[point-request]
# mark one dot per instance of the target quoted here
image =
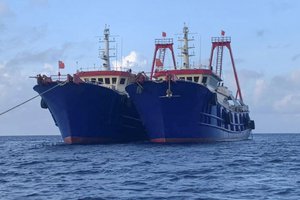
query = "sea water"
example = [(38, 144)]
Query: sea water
[(43, 167)]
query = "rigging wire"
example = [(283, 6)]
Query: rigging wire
[(24, 102)]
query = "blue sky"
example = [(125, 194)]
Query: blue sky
[(35, 34)]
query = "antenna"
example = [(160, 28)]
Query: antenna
[(116, 57), (105, 52), (121, 53), (185, 48), (200, 50)]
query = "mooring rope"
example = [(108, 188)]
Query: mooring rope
[(20, 104)]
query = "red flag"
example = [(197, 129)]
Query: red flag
[(158, 62), (222, 33), (164, 34), (61, 65)]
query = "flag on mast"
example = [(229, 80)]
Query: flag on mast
[(61, 64), (158, 62)]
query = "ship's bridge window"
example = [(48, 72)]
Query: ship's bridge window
[(196, 79), (114, 80), (204, 79), (100, 80), (107, 80), (86, 79), (189, 78), (122, 81), (93, 80), (182, 78), (213, 82)]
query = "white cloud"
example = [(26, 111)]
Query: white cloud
[(250, 82), (47, 69), (277, 95), (5, 12), (274, 102), (15, 88), (132, 61), (259, 90), (22, 54), (288, 104)]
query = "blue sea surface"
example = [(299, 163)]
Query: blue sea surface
[(43, 167)]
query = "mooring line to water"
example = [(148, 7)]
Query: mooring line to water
[(20, 104)]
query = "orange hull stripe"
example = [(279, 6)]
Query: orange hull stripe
[(86, 140)]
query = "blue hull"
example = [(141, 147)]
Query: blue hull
[(87, 113), (192, 114)]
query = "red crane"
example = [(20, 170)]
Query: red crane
[(160, 46), (219, 43)]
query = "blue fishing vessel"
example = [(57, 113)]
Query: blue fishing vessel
[(92, 106), (190, 103)]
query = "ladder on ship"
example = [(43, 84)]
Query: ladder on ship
[(161, 45), (161, 55), (219, 43), (219, 60)]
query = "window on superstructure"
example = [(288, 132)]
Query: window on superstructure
[(236, 118), (189, 78), (114, 80), (93, 80), (107, 80), (100, 80), (204, 79), (86, 80), (196, 79), (241, 119), (182, 78), (122, 81), (213, 82)]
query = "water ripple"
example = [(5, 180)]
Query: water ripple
[(267, 167)]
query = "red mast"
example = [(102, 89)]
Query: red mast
[(219, 43), (161, 45)]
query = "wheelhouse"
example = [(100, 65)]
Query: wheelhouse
[(116, 80), (201, 76)]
